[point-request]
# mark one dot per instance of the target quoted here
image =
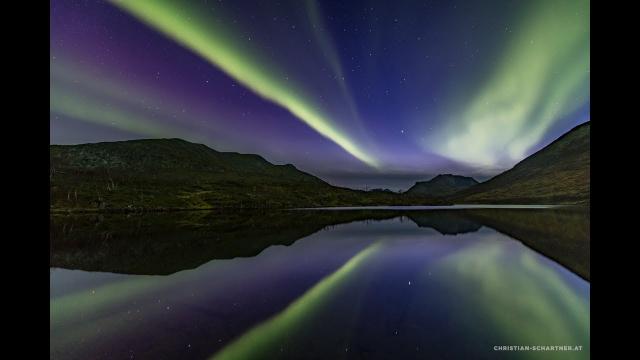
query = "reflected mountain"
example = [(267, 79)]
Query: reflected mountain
[(165, 243), (446, 222)]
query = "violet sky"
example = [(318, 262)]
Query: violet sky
[(360, 93)]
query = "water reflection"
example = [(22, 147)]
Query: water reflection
[(164, 243), (381, 288)]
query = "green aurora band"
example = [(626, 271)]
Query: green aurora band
[(263, 338), (216, 44), (82, 93), (78, 106), (542, 76), (68, 314), (329, 52), (510, 299)]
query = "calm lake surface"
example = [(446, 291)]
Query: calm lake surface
[(383, 284)]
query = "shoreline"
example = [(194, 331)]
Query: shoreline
[(72, 211)]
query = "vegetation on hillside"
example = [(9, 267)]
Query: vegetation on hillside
[(171, 174), (557, 174), (175, 174)]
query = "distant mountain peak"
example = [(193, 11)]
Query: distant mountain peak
[(441, 185), (452, 176)]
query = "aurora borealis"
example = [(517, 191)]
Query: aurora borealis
[(542, 76), (360, 93)]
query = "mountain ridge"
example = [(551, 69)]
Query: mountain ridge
[(174, 174), (441, 185), (557, 173), (163, 174)]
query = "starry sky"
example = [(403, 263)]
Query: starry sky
[(363, 94)]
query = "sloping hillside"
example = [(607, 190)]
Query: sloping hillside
[(176, 174), (557, 174)]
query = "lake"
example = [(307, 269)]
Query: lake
[(463, 283)]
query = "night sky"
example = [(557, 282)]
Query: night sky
[(360, 93)]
